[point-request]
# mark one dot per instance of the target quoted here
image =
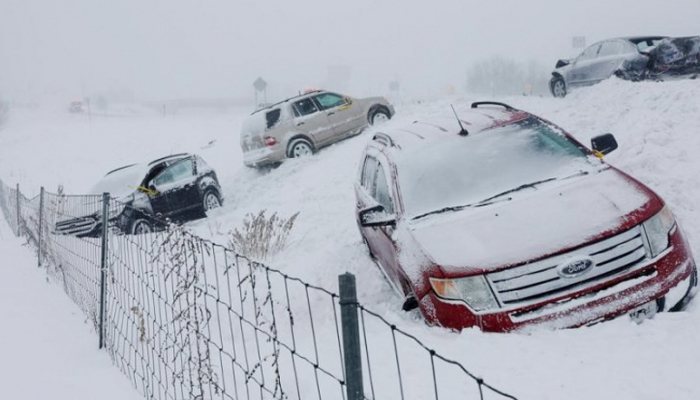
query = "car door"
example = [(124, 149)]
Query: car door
[(345, 115), (311, 121), (178, 184), (609, 59), (580, 72), (376, 188)]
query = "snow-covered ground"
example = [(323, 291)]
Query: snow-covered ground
[(657, 126), (47, 350)]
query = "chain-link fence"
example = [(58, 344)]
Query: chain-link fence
[(185, 318)]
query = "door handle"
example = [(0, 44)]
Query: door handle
[(300, 124), (330, 113)]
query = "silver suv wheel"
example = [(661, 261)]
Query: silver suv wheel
[(300, 148)]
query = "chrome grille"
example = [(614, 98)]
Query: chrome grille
[(540, 280), (76, 226)]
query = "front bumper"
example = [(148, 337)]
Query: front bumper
[(666, 277)]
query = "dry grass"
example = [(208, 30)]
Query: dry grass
[(261, 237)]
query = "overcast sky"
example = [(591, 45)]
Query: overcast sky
[(164, 49)]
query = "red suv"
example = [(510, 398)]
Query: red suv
[(501, 220)]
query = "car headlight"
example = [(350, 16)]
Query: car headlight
[(658, 229), (473, 290)]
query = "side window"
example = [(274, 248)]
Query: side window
[(368, 172), (304, 107), (273, 117), (610, 49), (589, 53), (330, 100), (382, 194), (179, 171)]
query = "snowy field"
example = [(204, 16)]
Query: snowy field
[(658, 129)]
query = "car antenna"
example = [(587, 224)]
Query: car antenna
[(462, 132)]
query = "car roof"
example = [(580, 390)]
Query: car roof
[(172, 158), (638, 39), (477, 119), (300, 96), (145, 167)]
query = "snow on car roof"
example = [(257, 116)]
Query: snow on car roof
[(474, 120)]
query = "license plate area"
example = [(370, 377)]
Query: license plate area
[(644, 312)]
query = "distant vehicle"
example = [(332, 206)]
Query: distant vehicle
[(76, 106), (302, 125), (180, 188), (516, 224), (634, 58)]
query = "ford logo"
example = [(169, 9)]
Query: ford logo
[(575, 268)]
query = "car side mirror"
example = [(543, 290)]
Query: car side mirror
[(376, 216), (562, 63), (604, 144), (348, 99)]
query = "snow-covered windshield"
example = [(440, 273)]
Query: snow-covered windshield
[(121, 182), (467, 170)]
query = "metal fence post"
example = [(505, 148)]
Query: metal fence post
[(41, 222), (103, 265), (19, 213), (351, 337)]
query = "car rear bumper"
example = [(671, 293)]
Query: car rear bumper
[(665, 279), (264, 156)]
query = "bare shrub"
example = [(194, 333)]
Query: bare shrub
[(261, 237)]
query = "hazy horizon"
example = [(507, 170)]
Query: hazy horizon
[(162, 49)]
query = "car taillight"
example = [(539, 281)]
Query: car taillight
[(270, 141)]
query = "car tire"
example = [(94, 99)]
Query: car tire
[(300, 148), (211, 200), (379, 116), (692, 289), (558, 87), (141, 226)]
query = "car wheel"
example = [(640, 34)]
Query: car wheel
[(379, 117), (689, 295), (558, 87), (211, 200), (300, 148), (140, 227)]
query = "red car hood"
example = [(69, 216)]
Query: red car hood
[(536, 223)]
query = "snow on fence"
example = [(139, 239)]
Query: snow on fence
[(185, 318)]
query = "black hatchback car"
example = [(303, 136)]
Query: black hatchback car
[(178, 188)]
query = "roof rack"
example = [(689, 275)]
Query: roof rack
[(286, 100), (384, 139), (492, 103)]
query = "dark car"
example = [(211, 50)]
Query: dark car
[(515, 224), (178, 188), (76, 106), (633, 58)]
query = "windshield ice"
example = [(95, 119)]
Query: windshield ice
[(466, 170), (120, 183)]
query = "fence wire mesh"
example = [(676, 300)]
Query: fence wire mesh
[(186, 318)]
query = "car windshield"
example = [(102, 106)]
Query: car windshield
[(120, 182), (465, 171)]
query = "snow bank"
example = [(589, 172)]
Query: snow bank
[(657, 126)]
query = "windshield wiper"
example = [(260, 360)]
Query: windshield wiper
[(516, 189), (489, 200)]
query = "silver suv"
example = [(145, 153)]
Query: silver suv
[(301, 125)]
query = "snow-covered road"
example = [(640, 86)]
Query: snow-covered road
[(47, 348), (657, 127)]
